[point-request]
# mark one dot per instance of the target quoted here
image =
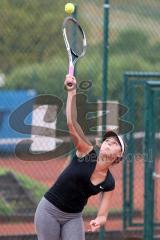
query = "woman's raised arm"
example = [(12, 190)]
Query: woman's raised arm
[(81, 142)]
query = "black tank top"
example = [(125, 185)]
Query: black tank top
[(73, 187)]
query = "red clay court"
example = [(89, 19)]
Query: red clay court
[(46, 173)]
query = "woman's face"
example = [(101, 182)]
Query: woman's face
[(110, 149)]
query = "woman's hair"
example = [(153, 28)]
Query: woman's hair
[(117, 160)]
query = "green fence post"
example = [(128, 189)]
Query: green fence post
[(128, 166), (105, 77), (125, 100), (105, 61), (149, 147), (131, 152)]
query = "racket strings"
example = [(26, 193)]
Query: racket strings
[(75, 38)]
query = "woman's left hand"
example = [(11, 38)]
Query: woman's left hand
[(97, 223)]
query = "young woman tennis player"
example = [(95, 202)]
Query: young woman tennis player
[(59, 213)]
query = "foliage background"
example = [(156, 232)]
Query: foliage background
[(33, 55)]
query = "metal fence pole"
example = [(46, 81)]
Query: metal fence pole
[(128, 165), (125, 179), (105, 77), (105, 60), (149, 164)]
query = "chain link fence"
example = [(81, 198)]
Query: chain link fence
[(33, 65)]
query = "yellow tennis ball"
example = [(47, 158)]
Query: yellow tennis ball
[(69, 8)]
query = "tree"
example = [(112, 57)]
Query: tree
[(30, 31)]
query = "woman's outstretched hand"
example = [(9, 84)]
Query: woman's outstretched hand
[(97, 223), (70, 83)]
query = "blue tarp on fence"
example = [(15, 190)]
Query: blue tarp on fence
[(9, 102)]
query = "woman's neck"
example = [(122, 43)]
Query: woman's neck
[(102, 165)]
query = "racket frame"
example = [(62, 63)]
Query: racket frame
[(72, 56)]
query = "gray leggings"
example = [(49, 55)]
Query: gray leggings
[(53, 224)]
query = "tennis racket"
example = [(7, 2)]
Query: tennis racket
[(75, 41)]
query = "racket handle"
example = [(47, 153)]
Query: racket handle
[(71, 70)]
